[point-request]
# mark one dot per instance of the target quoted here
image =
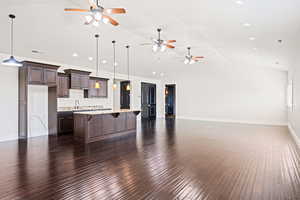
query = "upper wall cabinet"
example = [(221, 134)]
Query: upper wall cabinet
[(78, 79), (63, 85), (41, 74), (97, 92)]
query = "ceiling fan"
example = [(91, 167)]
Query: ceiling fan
[(159, 44), (189, 59), (97, 13)]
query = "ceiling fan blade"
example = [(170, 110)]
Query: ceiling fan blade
[(92, 4), (114, 10), (171, 41), (170, 46), (77, 10), (111, 20), (198, 57)]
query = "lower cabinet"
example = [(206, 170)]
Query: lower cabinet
[(65, 122), (91, 128)]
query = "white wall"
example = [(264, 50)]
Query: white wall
[(294, 110), (8, 102), (234, 94)]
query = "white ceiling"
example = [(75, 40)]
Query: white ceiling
[(214, 28)]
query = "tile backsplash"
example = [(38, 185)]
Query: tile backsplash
[(79, 95)]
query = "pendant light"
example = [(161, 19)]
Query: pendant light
[(128, 85), (97, 84), (12, 61), (114, 63)]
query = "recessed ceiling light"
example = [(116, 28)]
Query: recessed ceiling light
[(239, 2), (246, 24), (75, 55), (90, 58), (104, 61), (162, 74), (154, 73), (254, 49), (252, 38)]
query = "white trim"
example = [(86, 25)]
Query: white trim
[(293, 134), (7, 139), (234, 121)]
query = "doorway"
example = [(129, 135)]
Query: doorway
[(124, 95), (170, 101), (148, 101)]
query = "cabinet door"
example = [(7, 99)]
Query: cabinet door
[(50, 76), (75, 81), (120, 123), (63, 87), (131, 121), (102, 92), (36, 75), (95, 126), (84, 81), (92, 90), (108, 125), (65, 124)]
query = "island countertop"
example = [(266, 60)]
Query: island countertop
[(102, 112)]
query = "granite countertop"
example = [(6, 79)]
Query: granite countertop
[(102, 112), (82, 109)]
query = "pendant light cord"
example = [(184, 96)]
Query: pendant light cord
[(127, 61), (12, 36), (114, 46), (97, 56)]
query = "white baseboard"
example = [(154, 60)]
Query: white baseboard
[(6, 139), (235, 121), (294, 135)]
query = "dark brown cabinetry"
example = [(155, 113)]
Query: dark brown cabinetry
[(33, 73), (65, 122), (41, 74), (62, 85), (97, 92), (94, 127), (78, 79)]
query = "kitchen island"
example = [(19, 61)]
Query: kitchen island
[(92, 126)]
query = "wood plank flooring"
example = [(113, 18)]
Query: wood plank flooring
[(165, 160)]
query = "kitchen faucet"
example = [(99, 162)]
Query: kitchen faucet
[(76, 104)]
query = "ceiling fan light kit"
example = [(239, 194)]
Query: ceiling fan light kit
[(189, 59), (97, 13), (161, 45)]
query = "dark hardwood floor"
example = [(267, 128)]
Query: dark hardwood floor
[(166, 160)]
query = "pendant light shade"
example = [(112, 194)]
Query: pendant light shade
[(12, 61), (97, 84), (114, 63), (128, 88)]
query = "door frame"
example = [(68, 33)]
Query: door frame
[(122, 93), (174, 102), (151, 84)]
